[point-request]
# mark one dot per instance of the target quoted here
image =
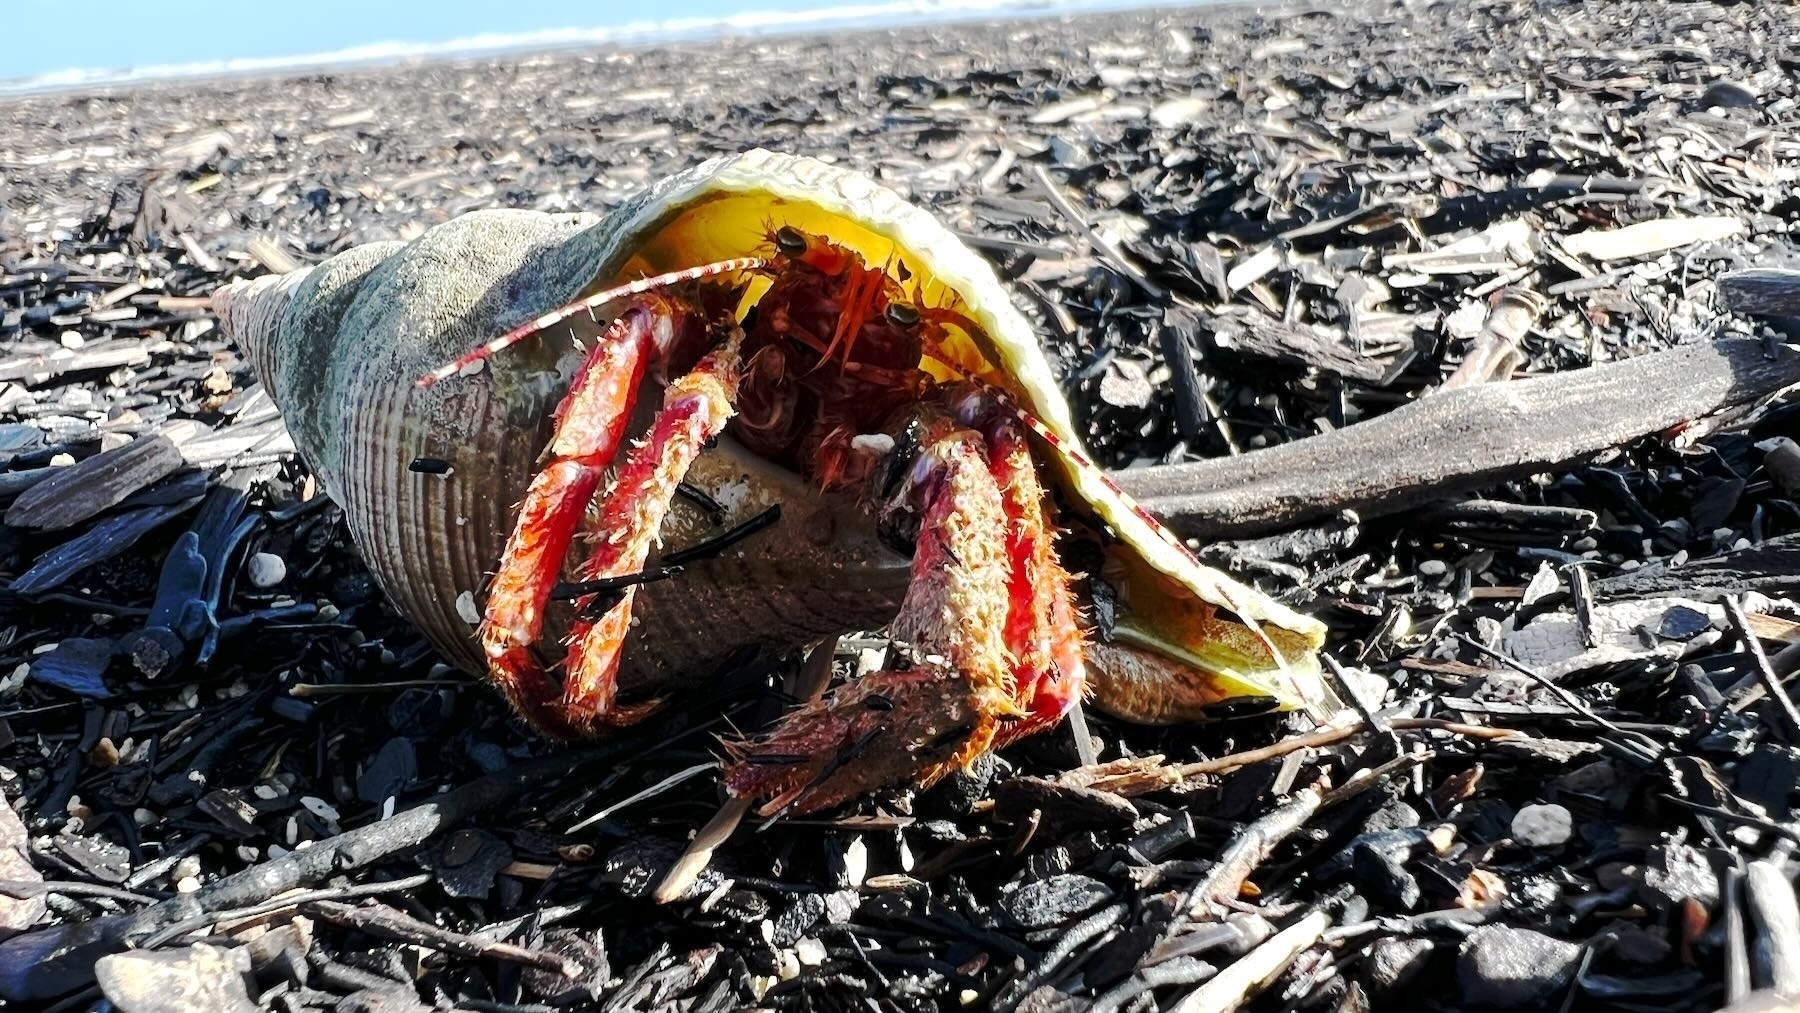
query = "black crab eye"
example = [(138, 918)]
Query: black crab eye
[(790, 241), (902, 315)]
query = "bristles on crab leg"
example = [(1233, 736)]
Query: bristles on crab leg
[(556, 316), (591, 422), (695, 409), (1082, 463)]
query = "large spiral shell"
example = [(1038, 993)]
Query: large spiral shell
[(339, 344)]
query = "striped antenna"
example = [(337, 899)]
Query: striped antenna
[(592, 302)]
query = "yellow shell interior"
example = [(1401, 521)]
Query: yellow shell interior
[(1250, 645)]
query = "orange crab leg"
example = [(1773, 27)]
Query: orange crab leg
[(995, 651), (695, 409), (590, 423), (1041, 631)]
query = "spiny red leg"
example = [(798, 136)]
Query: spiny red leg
[(1041, 631), (590, 424), (695, 409), (924, 721)]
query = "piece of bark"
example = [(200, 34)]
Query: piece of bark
[(1762, 291), (103, 481), (1324, 347), (1461, 440), (1772, 568)]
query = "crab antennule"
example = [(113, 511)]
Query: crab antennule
[(598, 299)]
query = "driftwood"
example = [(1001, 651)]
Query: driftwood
[(1771, 568), (1456, 441), (1762, 291)]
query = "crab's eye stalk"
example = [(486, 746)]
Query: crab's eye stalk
[(902, 315), (790, 241)]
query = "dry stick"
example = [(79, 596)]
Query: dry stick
[(1252, 972), (1461, 440), (1142, 782), (61, 958), (1494, 353), (1100, 243), (1770, 682), (1737, 947), (391, 923), (285, 902), (814, 677), (1633, 741), (1225, 880)]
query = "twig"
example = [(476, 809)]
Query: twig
[(391, 923), (1076, 937), (282, 903), (1737, 948), (1252, 972), (1105, 248), (23, 888), (1130, 780), (1734, 609), (1573, 702), (1225, 880), (651, 792)]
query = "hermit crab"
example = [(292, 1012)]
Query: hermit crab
[(802, 392)]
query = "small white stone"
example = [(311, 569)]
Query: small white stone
[(319, 807), (856, 863), (71, 340), (1433, 568), (187, 884), (465, 608), (327, 612), (810, 952), (187, 868), (787, 965), (144, 817), (62, 460), (266, 569), (1543, 826)]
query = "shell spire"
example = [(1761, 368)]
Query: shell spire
[(250, 311)]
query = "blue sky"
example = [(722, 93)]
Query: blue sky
[(41, 36)]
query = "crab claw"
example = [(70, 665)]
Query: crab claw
[(878, 731), (986, 618)]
